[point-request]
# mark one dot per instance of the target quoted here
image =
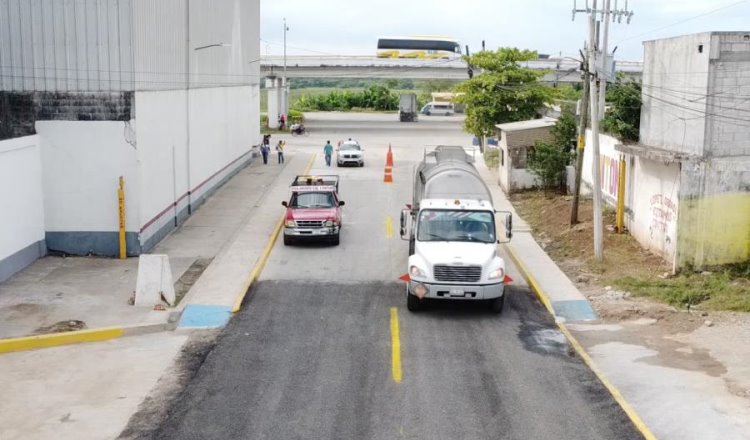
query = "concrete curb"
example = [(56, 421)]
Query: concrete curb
[(25, 343), (544, 298)]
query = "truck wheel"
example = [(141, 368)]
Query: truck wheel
[(287, 240), (496, 304), (412, 302), (335, 239), (361, 165)]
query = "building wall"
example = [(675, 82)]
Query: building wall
[(527, 138), (22, 218), (727, 103), (608, 169), (504, 164), (235, 23), (675, 77), (714, 212), (82, 162), (653, 210), (223, 126), (73, 45)]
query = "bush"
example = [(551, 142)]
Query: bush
[(548, 161), (492, 157), (376, 97), (295, 116)]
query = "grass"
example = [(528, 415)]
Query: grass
[(627, 265), (294, 94), (727, 288)]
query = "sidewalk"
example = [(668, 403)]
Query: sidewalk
[(568, 303), (58, 294)]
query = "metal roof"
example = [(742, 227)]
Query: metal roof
[(527, 125)]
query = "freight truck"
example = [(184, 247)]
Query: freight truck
[(450, 227), (407, 107)]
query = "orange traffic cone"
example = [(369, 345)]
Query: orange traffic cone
[(388, 178), (389, 157)]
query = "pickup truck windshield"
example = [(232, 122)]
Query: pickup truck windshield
[(458, 225), (312, 200)]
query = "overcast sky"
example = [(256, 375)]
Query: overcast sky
[(353, 26)]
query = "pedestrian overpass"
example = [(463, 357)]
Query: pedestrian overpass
[(557, 70)]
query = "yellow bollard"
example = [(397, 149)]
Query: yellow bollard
[(621, 196), (121, 209)]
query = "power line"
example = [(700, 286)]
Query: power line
[(683, 21)]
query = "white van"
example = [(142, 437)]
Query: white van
[(438, 108)]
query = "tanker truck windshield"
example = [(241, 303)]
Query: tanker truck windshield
[(456, 225)]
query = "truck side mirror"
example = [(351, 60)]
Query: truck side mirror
[(341, 203), (406, 224), (509, 226), (284, 203)]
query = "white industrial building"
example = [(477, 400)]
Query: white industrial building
[(164, 93)]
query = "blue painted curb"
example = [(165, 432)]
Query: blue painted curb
[(204, 316), (574, 310)]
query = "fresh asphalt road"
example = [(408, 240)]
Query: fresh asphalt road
[(315, 351)]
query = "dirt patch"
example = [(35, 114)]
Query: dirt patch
[(61, 327), (191, 275), (613, 286)]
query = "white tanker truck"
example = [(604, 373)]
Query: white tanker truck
[(451, 230)]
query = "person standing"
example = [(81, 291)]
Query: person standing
[(264, 150), (328, 152), (280, 151)]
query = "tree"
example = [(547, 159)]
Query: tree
[(548, 160), (624, 116), (503, 92)]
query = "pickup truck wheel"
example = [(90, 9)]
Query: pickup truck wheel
[(496, 304), (362, 164), (287, 240), (335, 239), (412, 302)]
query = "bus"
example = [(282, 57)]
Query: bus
[(422, 47)]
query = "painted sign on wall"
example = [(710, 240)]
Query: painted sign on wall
[(610, 172), (663, 214)]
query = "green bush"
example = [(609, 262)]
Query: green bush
[(375, 97), (492, 157)]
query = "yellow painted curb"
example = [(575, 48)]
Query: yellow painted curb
[(258, 268), (629, 410), (55, 339)]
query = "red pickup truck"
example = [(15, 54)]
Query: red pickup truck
[(313, 212)]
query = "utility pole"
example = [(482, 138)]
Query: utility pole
[(599, 70), (582, 124), (284, 91)]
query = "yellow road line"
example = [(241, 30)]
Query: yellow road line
[(388, 227), (629, 410), (395, 347), (258, 268), (55, 339)]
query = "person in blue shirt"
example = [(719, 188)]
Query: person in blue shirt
[(328, 151)]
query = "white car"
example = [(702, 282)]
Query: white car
[(350, 153)]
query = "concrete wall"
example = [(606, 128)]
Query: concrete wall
[(653, 210), (223, 126), (727, 103), (513, 149), (21, 204), (714, 212), (81, 162), (675, 73), (608, 169)]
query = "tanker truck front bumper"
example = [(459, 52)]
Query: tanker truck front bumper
[(456, 291)]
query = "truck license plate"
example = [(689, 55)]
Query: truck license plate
[(457, 292)]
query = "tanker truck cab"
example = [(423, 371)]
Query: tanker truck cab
[(453, 240)]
